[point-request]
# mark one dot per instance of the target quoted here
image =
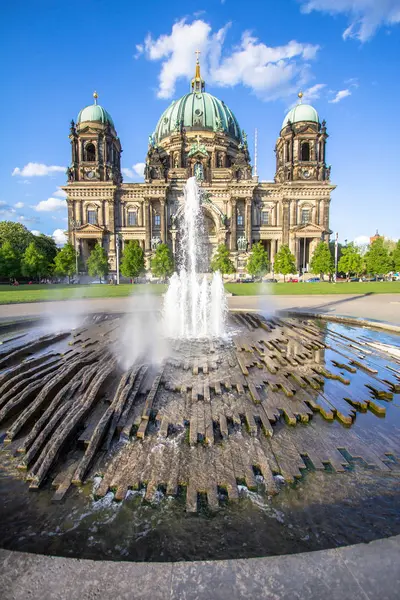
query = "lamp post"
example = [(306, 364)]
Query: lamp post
[(304, 254), (75, 225), (119, 238), (336, 254)]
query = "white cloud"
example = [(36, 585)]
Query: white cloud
[(35, 231), (60, 193), (59, 237), (137, 170), (271, 72), (19, 205), (366, 16), (361, 240), (50, 205), (37, 170), (28, 219), (340, 96), (6, 211)]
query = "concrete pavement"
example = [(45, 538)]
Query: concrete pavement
[(380, 307), (360, 572)]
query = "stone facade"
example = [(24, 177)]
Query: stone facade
[(239, 209)]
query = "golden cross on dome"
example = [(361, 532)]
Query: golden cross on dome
[(95, 96), (197, 52), (300, 96)]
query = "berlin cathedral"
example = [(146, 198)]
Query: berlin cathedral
[(198, 135)]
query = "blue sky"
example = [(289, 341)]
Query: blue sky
[(255, 56)]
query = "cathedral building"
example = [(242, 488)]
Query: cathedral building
[(198, 135)]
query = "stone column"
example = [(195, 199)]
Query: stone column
[(249, 224), (285, 221), (292, 213), (162, 221), (326, 215), (147, 222), (233, 225)]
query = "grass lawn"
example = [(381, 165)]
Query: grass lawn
[(40, 293), (280, 289)]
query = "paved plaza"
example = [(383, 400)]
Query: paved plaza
[(380, 307)]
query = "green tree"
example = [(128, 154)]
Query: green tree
[(322, 262), (285, 262), (396, 257), (65, 261), (221, 261), (10, 261), (258, 263), (377, 259), (132, 263), (351, 261), (47, 246), (162, 265), (17, 234), (97, 263), (34, 262)]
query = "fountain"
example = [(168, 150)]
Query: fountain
[(193, 308), (126, 431)]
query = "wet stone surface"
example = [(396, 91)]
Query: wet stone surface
[(280, 439)]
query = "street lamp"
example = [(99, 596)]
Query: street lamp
[(74, 224), (119, 239), (336, 255)]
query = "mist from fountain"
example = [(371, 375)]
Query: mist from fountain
[(194, 308)]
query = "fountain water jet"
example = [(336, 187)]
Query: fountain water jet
[(192, 307)]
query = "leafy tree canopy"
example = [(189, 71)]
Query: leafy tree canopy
[(47, 246), (97, 263), (377, 259), (351, 261), (285, 262), (258, 263), (221, 261), (396, 257), (162, 264), (10, 261), (322, 262), (34, 262), (17, 234), (132, 263), (65, 261)]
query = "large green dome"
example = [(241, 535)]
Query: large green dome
[(301, 112), (197, 111), (94, 112)]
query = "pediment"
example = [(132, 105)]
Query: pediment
[(309, 228), (90, 228)]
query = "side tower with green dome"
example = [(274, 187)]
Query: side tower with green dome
[(96, 149)]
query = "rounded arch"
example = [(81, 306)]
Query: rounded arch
[(90, 152)]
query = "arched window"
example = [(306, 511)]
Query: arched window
[(305, 151), (90, 153), (132, 218)]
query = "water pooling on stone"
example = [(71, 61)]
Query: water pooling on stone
[(280, 438), (192, 307)]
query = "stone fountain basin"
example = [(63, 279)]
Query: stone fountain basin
[(253, 434)]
